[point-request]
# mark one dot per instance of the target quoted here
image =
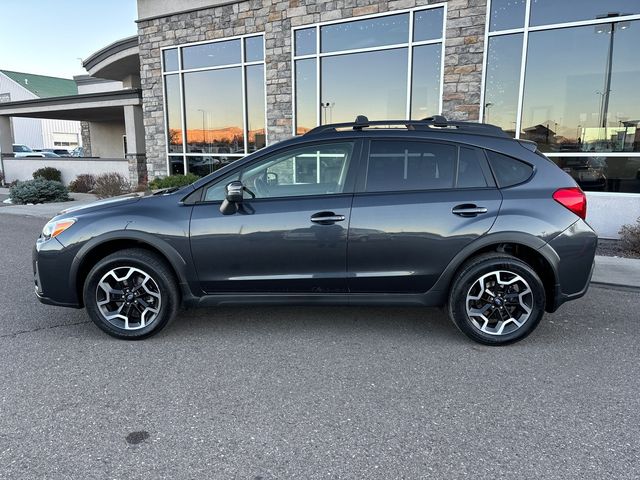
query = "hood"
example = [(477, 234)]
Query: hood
[(100, 204)]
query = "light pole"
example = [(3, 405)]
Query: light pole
[(486, 111), (203, 131)]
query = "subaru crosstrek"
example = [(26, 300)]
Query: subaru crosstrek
[(429, 212)]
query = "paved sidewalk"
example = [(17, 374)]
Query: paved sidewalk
[(616, 271), (44, 210)]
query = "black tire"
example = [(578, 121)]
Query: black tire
[(466, 278), (165, 286)]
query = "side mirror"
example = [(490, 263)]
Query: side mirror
[(232, 198)]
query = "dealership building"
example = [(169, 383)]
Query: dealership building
[(218, 80)]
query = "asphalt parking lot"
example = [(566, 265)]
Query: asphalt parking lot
[(260, 393)]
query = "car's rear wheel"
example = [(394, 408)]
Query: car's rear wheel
[(131, 294), (496, 299)]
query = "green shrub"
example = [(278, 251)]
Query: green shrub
[(173, 181), (83, 183), (38, 190), (111, 185), (630, 237), (48, 173)]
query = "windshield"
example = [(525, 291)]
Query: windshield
[(21, 148)]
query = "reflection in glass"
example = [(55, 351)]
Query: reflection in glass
[(373, 32), (581, 89), (425, 95), (344, 95), (174, 120), (253, 49), (255, 107), (202, 166), (603, 174), (213, 111), (545, 12), (507, 14), (170, 58), (176, 165), (503, 81), (427, 24), (306, 109), (305, 41), (211, 54)]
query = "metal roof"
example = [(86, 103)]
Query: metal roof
[(42, 85)]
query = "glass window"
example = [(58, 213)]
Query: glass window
[(507, 170), (255, 107), (170, 58), (174, 119), (544, 12), (253, 49), (469, 170), (507, 14), (217, 191), (305, 40), (383, 96), (306, 108), (372, 32), (425, 94), (213, 111), (603, 174), (204, 165), (427, 24), (310, 170), (400, 165), (211, 54), (502, 82), (578, 96), (176, 165)]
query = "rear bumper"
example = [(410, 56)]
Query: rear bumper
[(576, 250)]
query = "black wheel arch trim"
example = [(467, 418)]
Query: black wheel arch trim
[(535, 243), (177, 262)]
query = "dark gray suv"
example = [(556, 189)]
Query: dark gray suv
[(429, 212)]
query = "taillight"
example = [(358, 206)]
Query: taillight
[(573, 199)]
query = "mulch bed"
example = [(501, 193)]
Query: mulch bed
[(613, 248)]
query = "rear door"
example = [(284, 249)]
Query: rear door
[(418, 203)]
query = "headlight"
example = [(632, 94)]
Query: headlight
[(55, 228)]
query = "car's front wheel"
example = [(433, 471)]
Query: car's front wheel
[(496, 299), (131, 294)]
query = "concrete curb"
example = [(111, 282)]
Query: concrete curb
[(617, 272)]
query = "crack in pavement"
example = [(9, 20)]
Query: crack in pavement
[(22, 332)]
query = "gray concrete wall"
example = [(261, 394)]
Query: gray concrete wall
[(154, 8), (607, 212), (463, 51), (23, 168), (106, 139)]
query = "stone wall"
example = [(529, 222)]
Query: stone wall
[(85, 134), (463, 54)]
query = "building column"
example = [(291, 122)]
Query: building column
[(6, 142), (136, 152)]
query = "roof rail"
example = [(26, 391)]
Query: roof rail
[(437, 121)]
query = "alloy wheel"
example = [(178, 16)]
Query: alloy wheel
[(499, 302), (128, 298)]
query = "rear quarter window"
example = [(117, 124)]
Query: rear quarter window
[(507, 170)]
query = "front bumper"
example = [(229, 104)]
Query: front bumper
[(51, 263)]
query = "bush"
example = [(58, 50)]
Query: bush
[(38, 190), (83, 183), (173, 181), (630, 237), (48, 173), (111, 185)]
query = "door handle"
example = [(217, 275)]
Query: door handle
[(326, 218), (468, 210)]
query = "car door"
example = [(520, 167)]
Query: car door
[(290, 231), (418, 203)]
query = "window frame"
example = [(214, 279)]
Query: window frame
[(410, 44), (243, 65), (350, 177), (364, 167), (526, 29)]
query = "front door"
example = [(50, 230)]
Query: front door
[(290, 232), (419, 203)]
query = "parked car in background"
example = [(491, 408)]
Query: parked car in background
[(22, 151), (50, 155), (427, 213), (77, 152), (62, 152)]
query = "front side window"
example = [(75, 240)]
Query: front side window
[(214, 103), (400, 165), (384, 67), (310, 170)]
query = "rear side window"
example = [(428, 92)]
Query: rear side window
[(507, 170), (400, 165)]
